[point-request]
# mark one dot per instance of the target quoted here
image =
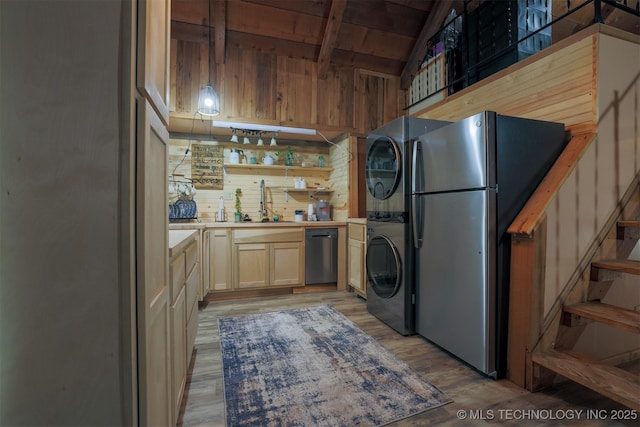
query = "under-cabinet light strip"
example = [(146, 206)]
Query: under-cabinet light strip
[(264, 128)]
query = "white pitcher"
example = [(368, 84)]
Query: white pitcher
[(234, 156)]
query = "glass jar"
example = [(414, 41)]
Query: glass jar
[(321, 161), (288, 159)]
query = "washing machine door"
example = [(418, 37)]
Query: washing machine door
[(383, 264), (382, 168)]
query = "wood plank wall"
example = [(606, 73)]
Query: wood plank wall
[(254, 84), (276, 180)]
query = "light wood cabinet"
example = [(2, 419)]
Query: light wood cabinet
[(153, 54), (286, 262), (252, 263), (184, 270), (218, 269), (178, 345), (192, 284), (153, 288), (356, 258), (268, 258)]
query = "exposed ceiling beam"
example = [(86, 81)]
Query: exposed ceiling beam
[(218, 18), (431, 27), (367, 62), (280, 47), (189, 32), (330, 36)]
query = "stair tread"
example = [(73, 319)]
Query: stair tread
[(618, 317), (610, 381), (622, 265), (629, 224)]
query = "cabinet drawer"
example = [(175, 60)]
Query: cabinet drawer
[(356, 231), (265, 235), (177, 274), (191, 254), (192, 291)]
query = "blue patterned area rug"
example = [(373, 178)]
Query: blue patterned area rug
[(315, 367)]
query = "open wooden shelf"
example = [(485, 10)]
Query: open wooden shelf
[(261, 168), (311, 191), (308, 190)]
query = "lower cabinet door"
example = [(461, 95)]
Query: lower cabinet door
[(356, 265), (178, 345), (252, 263), (219, 267), (286, 264), (192, 330)]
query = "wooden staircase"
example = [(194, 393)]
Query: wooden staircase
[(613, 382)]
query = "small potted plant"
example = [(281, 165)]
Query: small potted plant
[(238, 213), (288, 156)]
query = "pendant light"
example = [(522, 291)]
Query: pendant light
[(208, 100)]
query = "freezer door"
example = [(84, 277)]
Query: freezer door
[(455, 276), (456, 156)]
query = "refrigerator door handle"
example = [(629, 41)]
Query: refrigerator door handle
[(417, 222), (414, 166), (416, 212)]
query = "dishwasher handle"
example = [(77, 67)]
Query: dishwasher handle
[(323, 233)]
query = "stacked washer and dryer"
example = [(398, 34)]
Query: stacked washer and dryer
[(389, 260)]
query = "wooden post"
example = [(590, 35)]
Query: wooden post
[(526, 300)]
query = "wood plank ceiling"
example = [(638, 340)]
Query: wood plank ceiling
[(382, 36)]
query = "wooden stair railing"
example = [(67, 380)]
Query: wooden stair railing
[(528, 251), (615, 383), (535, 352)]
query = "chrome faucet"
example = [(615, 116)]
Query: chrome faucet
[(263, 209)]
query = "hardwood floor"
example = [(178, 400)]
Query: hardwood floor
[(481, 400)]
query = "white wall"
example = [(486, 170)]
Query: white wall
[(63, 335)]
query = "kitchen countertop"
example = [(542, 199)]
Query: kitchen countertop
[(357, 220), (179, 239), (254, 224), (186, 225)]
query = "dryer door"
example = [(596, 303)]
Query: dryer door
[(382, 168), (383, 263)]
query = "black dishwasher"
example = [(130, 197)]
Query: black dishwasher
[(321, 256)]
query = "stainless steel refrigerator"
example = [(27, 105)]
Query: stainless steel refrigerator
[(470, 179)]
